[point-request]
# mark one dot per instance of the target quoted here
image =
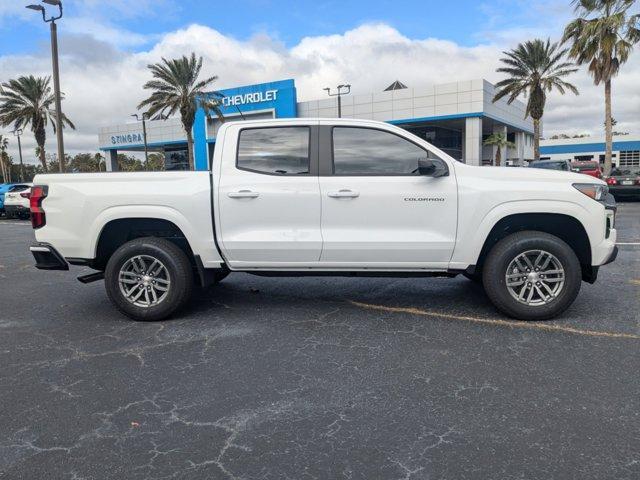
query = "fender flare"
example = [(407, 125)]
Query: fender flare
[(475, 236)]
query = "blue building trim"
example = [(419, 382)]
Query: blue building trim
[(588, 147), (141, 145), (456, 116), (436, 118)]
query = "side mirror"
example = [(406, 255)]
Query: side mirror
[(433, 167)]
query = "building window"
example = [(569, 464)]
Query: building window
[(583, 158), (602, 157), (629, 158), (274, 150), (446, 139)]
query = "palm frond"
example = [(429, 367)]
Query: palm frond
[(534, 67)]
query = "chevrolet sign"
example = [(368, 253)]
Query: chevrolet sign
[(247, 98)]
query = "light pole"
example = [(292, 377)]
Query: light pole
[(145, 117), (341, 90), (18, 132), (56, 71)]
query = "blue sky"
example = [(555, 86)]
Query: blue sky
[(139, 23)]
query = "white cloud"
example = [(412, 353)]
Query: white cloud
[(104, 84)]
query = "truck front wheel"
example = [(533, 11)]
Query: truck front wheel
[(532, 275), (148, 278)]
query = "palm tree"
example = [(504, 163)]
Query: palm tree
[(28, 101), (4, 144), (535, 68), (500, 141), (603, 36), (176, 89)]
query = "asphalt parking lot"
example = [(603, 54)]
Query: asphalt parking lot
[(318, 378)]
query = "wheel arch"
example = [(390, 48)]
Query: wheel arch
[(566, 227), (118, 231)]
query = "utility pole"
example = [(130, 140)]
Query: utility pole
[(341, 90), (18, 132), (56, 72)]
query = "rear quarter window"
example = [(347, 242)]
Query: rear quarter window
[(274, 150)]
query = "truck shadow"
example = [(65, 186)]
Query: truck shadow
[(248, 291)]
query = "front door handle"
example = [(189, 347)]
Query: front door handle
[(243, 194), (344, 194)]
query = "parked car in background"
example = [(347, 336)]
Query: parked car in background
[(16, 201), (624, 183), (562, 165), (4, 188), (587, 168)]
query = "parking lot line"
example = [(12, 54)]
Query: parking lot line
[(497, 322), (628, 243)]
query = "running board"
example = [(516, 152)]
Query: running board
[(92, 277)]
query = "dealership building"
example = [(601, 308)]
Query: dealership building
[(455, 117), (626, 150)]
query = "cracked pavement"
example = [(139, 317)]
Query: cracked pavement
[(276, 378)]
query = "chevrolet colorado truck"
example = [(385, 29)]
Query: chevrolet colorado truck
[(326, 197)]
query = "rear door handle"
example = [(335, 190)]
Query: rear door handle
[(243, 194), (344, 194)]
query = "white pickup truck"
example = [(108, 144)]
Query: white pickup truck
[(327, 197)]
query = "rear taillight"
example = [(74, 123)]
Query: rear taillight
[(611, 181), (638, 181), (25, 195), (38, 194)]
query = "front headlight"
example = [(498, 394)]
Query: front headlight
[(596, 191)]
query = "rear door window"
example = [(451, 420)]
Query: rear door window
[(274, 150)]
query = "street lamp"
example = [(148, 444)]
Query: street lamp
[(145, 117), (56, 70), (341, 90), (18, 132)]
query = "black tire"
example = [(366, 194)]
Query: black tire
[(176, 264), (506, 250)]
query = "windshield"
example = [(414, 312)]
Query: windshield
[(549, 165)]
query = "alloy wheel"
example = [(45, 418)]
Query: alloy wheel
[(535, 277), (144, 281)]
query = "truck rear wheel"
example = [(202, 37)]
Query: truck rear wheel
[(148, 278), (532, 275)]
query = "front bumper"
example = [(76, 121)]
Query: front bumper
[(612, 257), (47, 257)]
